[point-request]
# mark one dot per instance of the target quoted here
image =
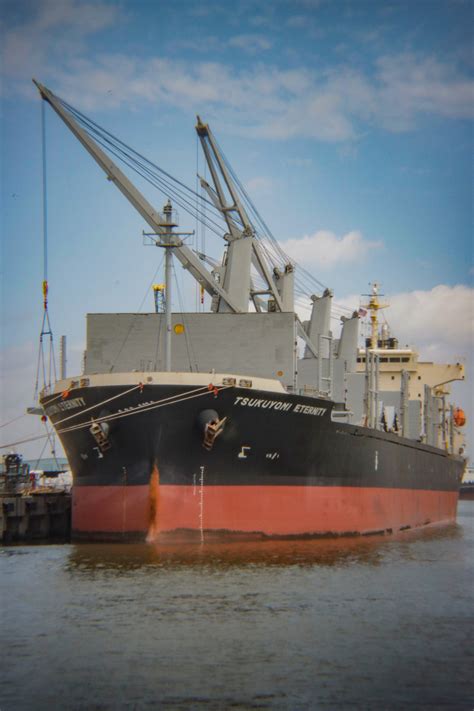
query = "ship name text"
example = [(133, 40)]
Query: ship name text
[(279, 405), (65, 405)]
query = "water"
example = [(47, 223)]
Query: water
[(379, 623)]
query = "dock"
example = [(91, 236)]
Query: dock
[(35, 516), (35, 504)]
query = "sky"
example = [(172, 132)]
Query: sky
[(349, 123)]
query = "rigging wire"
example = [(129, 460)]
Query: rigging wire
[(199, 207), (42, 451), (52, 443), (5, 424), (148, 170), (33, 438), (189, 345), (164, 402), (47, 370), (134, 319), (138, 162), (98, 404), (45, 195)]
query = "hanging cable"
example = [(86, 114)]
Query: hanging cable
[(45, 195), (47, 369)]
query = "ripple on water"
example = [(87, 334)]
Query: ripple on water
[(384, 622)]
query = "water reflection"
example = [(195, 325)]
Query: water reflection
[(341, 552)]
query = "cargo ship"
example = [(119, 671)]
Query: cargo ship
[(245, 420)]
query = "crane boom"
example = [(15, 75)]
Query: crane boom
[(237, 270), (153, 217)]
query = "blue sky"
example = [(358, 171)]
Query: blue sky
[(350, 123)]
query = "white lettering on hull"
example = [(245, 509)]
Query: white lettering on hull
[(65, 405), (279, 405)]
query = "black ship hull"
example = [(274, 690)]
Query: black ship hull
[(145, 463)]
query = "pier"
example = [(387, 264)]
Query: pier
[(34, 504), (37, 515)]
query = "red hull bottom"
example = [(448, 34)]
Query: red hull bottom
[(108, 512)]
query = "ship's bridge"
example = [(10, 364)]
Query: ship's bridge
[(392, 358)]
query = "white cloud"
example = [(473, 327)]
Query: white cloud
[(250, 43), (324, 249), (262, 100), (54, 30), (269, 102), (410, 85), (438, 322)]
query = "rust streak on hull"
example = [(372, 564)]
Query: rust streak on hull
[(154, 498)]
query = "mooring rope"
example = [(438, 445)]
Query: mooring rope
[(172, 400)]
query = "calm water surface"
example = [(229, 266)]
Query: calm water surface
[(379, 623)]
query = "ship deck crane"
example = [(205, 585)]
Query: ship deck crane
[(235, 290), (152, 216)]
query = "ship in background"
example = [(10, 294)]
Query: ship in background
[(467, 485), (246, 420)]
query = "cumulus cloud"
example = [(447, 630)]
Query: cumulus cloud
[(268, 102), (263, 100), (325, 249), (439, 321), (409, 85), (28, 47)]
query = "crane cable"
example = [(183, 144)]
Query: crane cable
[(46, 369), (198, 207)]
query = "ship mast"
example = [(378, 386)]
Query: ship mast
[(374, 306), (167, 210), (169, 240)]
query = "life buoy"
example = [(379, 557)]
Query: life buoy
[(459, 417)]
